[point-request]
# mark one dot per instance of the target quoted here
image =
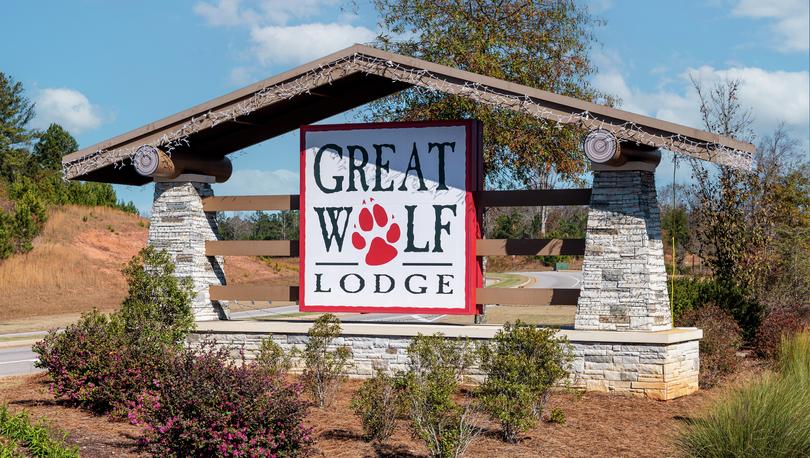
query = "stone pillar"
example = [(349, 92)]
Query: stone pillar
[(624, 282), (179, 226)]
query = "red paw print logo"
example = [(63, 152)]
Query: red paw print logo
[(380, 251)]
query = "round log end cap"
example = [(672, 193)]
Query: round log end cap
[(601, 146), (146, 160)]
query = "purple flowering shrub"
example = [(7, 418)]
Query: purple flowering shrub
[(207, 405), (93, 365)]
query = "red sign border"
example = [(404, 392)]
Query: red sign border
[(474, 183)]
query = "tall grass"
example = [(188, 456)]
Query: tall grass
[(770, 417)]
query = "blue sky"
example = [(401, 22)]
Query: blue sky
[(101, 68)]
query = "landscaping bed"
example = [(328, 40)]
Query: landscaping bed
[(596, 425)]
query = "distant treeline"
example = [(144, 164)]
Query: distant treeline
[(31, 173)]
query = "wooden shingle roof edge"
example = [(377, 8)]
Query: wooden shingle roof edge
[(179, 130)]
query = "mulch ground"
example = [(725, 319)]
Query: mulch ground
[(597, 425)]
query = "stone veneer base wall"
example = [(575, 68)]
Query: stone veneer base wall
[(660, 365)]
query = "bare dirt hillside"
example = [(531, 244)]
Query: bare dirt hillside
[(76, 265)]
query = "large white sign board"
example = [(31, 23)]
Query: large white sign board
[(388, 221)]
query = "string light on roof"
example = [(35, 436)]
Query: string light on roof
[(327, 73)]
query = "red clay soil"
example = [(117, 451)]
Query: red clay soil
[(597, 425)]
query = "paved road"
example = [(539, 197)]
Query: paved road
[(564, 279), (16, 361)]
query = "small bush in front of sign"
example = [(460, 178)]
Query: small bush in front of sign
[(207, 404), (272, 358), (522, 365), (378, 405), (436, 364), (324, 367), (103, 361)]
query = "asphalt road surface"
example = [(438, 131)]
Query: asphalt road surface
[(17, 361), (20, 360)]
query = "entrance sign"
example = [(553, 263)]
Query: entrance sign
[(388, 217)]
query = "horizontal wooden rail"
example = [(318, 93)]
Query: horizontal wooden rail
[(527, 296), (253, 293), (530, 247), (505, 296), (279, 248), (534, 198), (524, 198), (485, 247), (250, 203)]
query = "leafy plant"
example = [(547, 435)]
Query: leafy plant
[(324, 366), (378, 406), (158, 304), (207, 405), (37, 438), (557, 416), (102, 362), (722, 338), (522, 365), (272, 358), (428, 388), (769, 417)]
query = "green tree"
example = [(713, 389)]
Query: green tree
[(16, 111), (54, 143), (531, 42), (676, 221)]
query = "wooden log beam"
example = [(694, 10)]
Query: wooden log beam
[(530, 247), (527, 296), (279, 248), (153, 162), (253, 293)]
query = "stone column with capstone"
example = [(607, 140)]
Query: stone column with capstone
[(178, 223), (624, 281), (180, 226)]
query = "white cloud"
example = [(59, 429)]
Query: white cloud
[(258, 12), (773, 96), (300, 43), (67, 107), (241, 76), (254, 181), (790, 20)]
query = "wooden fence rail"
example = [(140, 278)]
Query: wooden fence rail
[(530, 198), (484, 247), (504, 296)]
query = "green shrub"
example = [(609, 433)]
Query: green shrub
[(158, 304), (37, 438), (522, 365), (378, 406), (769, 417), (104, 362), (557, 416), (272, 358), (718, 347), (323, 367), (6, 236), (428, 388), (692, 293)]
